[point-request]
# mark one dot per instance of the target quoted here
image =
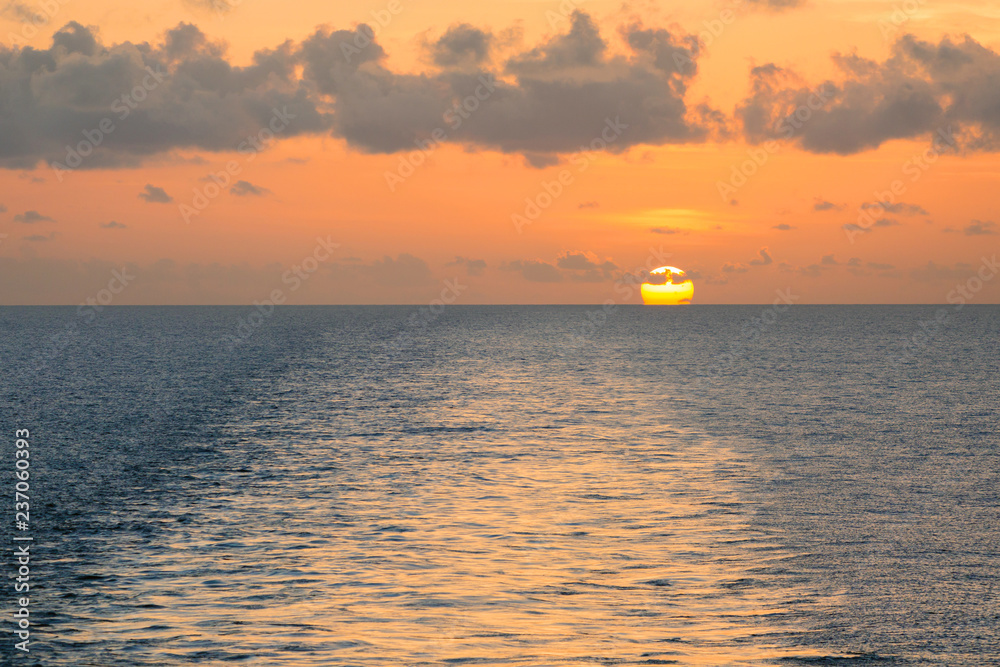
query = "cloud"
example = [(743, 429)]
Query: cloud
[(765, 258), (585, 266), (461, 45), (777, 5), (735, 267), (589, 204), (932, 272), (783, 227), (665, 230), (192, 97), (474, 267), (31, 217), (3, 209), (946, 91), (546, 99), (113, 225), (898, 208), (980, 228), (155, 195), (40, 238), (880, 267), (535, 271), (823, 205), (248, 189), (574, 265), (829, 260)]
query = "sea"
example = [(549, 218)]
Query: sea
[(504, 485)]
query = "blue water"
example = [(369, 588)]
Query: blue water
[(507, 486)]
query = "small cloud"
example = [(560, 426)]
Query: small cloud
[(887, 222), (665, 230), (880, 267), (155, 195), (783, 227), (588, 204), (3, 209), (113, 225), (823, 205), (854, 261), (247, 189), (980, 228), (541, 160), (40, 238), (829, 260), (31, 217), (898, 208), (734, 267), (765, 258)]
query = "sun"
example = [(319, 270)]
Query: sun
[(667, 286)]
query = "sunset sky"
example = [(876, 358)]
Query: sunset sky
[(218, 151)]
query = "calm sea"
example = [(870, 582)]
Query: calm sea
[(506, 485)]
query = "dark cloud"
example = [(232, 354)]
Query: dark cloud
[(181, 93), (248, 189), (155, 195), (184, 92), (589, 204), (735, 267), (461, 45), (40, 238), (3, 209), (823, 205), (665, 230), (980, 228), (829, 260), (31, 217), (559, 96), (113, 225), (948, 91), (783, 227)]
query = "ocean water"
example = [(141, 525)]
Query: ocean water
[(507, 486)]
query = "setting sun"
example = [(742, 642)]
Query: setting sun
[(667, 286)]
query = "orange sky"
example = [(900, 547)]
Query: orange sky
[(638, 204)]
